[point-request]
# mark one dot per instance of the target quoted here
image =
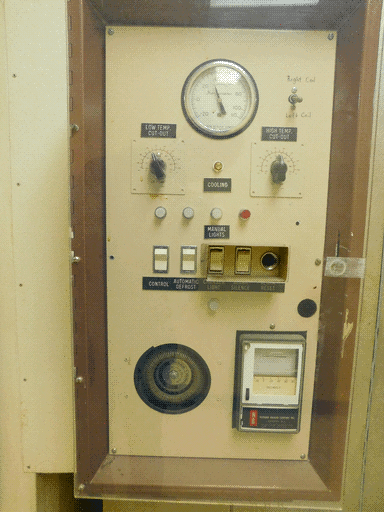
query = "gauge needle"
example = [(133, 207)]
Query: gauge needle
[(220, 102)]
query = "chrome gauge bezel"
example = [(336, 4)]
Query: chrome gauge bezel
[(186, 97)]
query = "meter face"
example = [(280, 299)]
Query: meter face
[(220, 99)]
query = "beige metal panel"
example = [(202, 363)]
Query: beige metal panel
[(37, 57), (17, 489), (138, 68), (117, 506)]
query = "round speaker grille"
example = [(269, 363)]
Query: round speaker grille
[(172, 378)]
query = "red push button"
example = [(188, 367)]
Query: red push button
[(244, 214)]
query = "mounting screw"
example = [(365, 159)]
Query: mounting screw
[(331, 36), (302, 456), (111, 31), (79, 380), (272, 326), (317, 261), (114, 450), (76, 259), (75, 128), (81, 487)]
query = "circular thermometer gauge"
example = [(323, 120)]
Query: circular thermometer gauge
[(220, 99)]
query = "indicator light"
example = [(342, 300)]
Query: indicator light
[(244, 214)]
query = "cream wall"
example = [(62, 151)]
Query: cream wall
[(36, 427)]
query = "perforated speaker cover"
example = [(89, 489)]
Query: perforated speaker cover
[(172, 378)]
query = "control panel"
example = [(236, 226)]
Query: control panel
[(218, 145)]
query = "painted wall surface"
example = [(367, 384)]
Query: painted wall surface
[(36, 431)]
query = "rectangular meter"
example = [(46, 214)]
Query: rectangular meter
[(268, 386)]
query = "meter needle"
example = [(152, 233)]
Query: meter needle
[(220, 102)]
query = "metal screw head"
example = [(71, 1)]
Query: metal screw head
[(114, 450), (79, 379), (317, 261), (302, 456), (331, 36), (294, 89), (81, 487), (272, 326), (111, 31)]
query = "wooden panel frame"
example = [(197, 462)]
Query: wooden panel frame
[(100, 474)]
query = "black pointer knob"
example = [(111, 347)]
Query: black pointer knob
[(279, 170), (157, 167)]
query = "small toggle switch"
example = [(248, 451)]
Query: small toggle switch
[(160, 259)]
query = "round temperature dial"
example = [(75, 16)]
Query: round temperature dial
[(220, 99)]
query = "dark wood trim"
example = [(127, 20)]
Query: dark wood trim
[(181, 478), (326, 15), (346, 216), (86, 63)]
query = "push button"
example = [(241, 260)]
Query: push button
[(243, 260), (216, 260), (160, 259)]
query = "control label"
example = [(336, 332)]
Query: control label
[(216, 232), (200, 284), (282, 133), (158, 130), (217, 184)]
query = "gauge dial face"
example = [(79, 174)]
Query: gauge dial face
[(220, 99)]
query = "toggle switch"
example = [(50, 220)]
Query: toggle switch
[(188, 259), (243, 260), (160, 259), (216, 260)]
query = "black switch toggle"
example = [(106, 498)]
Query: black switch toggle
[(247, 393), (157, 167)]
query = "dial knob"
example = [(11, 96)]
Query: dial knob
[(157, 167), (279, 169)]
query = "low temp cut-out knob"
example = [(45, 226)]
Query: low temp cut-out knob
[(157, 167)]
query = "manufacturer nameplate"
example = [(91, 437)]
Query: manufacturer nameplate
[(199, 284), (217, 184), (279, 133), (212, 232), (158, 130)]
